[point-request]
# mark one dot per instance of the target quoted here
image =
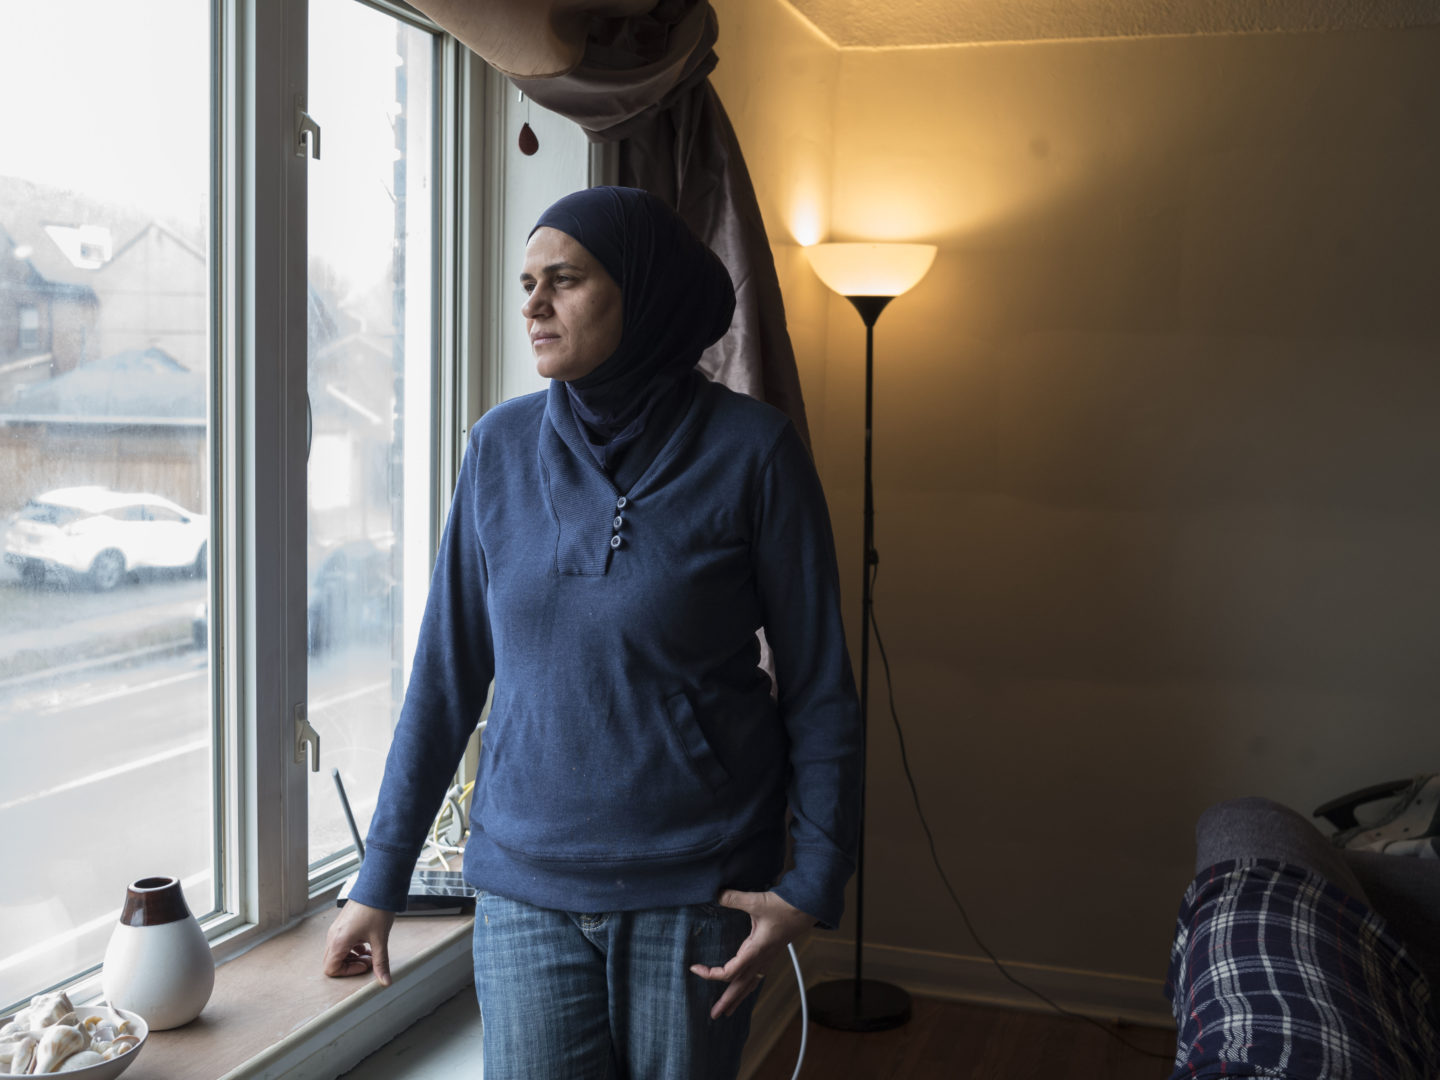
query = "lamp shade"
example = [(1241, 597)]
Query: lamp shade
[(871, 269)]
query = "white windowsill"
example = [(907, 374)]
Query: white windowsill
[(273, 1015)]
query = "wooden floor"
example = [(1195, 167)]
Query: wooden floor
[(953, 1041)]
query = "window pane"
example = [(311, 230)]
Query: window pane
[(104, 362), (371, 199)]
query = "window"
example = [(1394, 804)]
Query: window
[(139, 668), (29, 317), (105, 707), (371, 356), (220, 494)]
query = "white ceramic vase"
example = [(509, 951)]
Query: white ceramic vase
[(158, 962)]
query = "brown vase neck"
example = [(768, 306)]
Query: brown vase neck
[(153, 901)]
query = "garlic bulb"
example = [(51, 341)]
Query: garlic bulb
[(59, 1042), (44, 1010), (17, 1054), (50, 1037)]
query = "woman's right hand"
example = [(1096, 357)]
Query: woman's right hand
[(359, 941)]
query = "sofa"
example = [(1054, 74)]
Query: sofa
[(1294, 958)]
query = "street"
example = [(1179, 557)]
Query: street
[(106, 770), (106, 779), (27, 607), (60, 623)]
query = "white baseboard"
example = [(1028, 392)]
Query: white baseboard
[(948, 977), (1096, 994)]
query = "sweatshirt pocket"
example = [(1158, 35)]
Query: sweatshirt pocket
[(692, 737), (636, 783)]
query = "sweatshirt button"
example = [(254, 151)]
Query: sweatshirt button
[(620, 502), (614, 541), (619, 521)]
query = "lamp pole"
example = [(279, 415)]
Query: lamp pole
[(861, 1004), (869, 276)]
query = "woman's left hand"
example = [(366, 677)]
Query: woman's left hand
[(773, 925)]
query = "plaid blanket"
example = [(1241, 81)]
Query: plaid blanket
[(1277, 973)]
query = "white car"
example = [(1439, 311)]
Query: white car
[(105, 534)]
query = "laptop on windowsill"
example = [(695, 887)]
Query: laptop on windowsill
[(432, 892)]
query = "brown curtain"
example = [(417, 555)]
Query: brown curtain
[(635, 72)]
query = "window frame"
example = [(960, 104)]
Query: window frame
[(266, 686), (256, 465)]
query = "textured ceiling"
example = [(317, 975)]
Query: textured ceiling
[(889, 23)]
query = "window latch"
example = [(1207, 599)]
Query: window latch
[(305, 125), (304, 733)]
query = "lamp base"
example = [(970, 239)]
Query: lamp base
[(867, 1005)]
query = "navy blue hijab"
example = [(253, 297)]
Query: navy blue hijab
[(677, 299)]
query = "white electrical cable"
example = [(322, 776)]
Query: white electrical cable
[(804, 1013)]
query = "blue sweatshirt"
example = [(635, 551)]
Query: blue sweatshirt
[(634, 756)]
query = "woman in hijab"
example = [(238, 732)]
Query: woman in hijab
[(613, 546)]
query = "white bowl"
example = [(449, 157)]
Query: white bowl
[(108, 1070)]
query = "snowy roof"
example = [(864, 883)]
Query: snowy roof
[(66, 236)]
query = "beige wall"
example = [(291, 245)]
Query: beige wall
[(1155, 454)]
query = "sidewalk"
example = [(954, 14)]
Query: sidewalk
[(117, 634)]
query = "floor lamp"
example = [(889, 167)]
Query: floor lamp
[(869, 276)]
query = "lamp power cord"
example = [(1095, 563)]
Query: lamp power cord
[(804, 1013), (935, 856)]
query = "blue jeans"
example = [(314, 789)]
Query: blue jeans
[(572, 996)]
